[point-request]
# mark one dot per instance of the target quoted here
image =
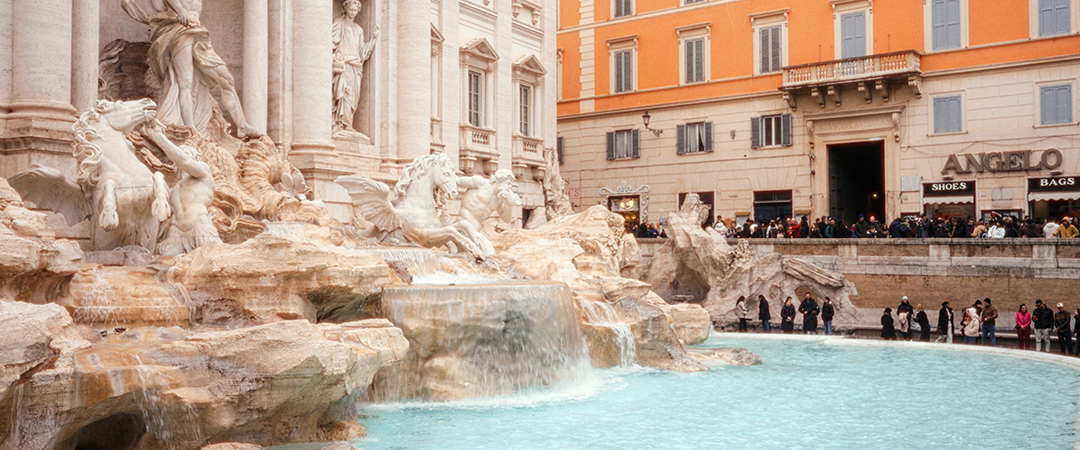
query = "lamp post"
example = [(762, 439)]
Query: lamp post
[(645, 118)]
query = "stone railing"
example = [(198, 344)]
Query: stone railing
[(852, 69), (476, 138)]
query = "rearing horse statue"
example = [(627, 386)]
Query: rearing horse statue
[(421, 192), (124, 201)]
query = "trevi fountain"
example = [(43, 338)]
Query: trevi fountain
[(186, 263)]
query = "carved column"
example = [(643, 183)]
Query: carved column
[(84, 53), (41, 60), (312, 97), (414, 79), (256, 60)]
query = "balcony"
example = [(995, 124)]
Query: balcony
[(825, 80), (528, 157), (477, 151)]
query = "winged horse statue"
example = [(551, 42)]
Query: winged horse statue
[(413, 213), (123, 199)]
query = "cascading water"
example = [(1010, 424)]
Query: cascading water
[(600, 313), (477, 340)]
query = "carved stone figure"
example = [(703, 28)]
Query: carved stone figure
[(420, 194), (350, 53), (112, 183), (191, 197), (481, 198), (183, 59)]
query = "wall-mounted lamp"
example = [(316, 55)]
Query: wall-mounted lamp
[(645, 118)]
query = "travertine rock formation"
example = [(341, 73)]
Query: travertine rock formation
[(33, 264), (589, 251), (279, 277), (700, 263), (152, 388)]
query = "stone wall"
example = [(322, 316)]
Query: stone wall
[(930, 271)]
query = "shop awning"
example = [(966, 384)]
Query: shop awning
[(1053, 196), (949, 200)]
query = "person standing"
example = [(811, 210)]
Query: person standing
[(810, 320), (787, 316), (742, 311), (827, 313), (972, 323), (1076, 332), (1023, 327), (989, 322), (763, 313), (903, 314), (1042, 320), (924, 324), (888, 332), (945, 323), (806, 307), (1062, 322)]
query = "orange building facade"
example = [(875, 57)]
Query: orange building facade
[(782, 108)]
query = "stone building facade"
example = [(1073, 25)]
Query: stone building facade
[(827, 107), (415, 85)]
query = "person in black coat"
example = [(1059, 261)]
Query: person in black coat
[(924, 324), (763, 312), (887, 330), (1042, 320), (807, 306), (946, 322), (787, 316), (810, 321), (827, 313)]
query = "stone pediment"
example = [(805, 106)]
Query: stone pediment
[(529, 64), (480, 49)]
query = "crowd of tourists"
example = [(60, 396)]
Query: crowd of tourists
[(998, 226), (977, 323)]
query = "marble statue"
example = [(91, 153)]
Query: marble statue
[(350, 53), (480, 199), (190, 225), (183, 59), (420, 194), (112, 183)]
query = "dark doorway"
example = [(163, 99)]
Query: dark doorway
[(857, 181)]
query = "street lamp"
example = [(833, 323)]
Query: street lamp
[(645, 118)]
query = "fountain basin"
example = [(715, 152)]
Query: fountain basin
[(481, 339), (808, 393)]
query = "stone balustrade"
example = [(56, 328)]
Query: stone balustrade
[(852, 69)]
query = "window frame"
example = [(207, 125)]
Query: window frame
[(960, 110), (480, 113), (630, 6), (693, 33), (1035, 20), (1040, 88), (758, 128), (633, 141), (842, 8), (526, 106), (928, 27), (684, 131), (622, 45), (769, 20)]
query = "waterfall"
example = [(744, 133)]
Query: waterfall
[(482, 339), (600, 313), (157, 415), (420, 261)]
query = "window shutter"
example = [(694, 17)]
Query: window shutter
[(618, 71), (755, 132), (610, 145), (559, 149), (853, 35), (688, 61), (1064, 103), (1046, 105), (708, 136), (635, 149), (764, 50), (699, 60), (1061, 17), (937, 16), (680, 139), (775, 50), (955, 116), (628, 71), (1046, 17), (785, 132), (952, 23)]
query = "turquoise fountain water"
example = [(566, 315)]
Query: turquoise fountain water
[(806, 395)]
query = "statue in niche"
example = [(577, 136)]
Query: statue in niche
[(183, 59), (350, 53), (481, 198), (190, 225), (123, 199)]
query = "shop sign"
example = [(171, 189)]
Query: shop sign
[(949, 188), (1056, 184), (1003, 161)]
